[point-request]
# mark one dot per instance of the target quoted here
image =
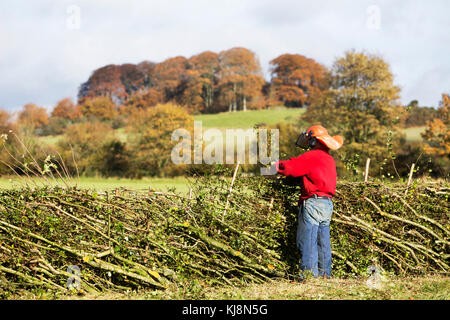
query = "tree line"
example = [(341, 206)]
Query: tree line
[(356, 97), (209, 82)]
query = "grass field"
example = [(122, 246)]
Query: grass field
[(248, 119), (105, 184), (413, 134), (230, 120)]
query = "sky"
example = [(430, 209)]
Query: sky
[(48, 48)]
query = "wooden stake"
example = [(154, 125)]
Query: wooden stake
[(409, 178), (190, 193), (366, 174), (231, 189)]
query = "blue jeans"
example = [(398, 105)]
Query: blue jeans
[(313, 235)]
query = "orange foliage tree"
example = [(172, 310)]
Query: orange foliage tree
[(105, 81), (297, 80), (142, 100), (117, 82), (82, 145), (5, 121), (66, 109), (201, 81), (437, 133), (101, 108), (150, 136), (168, 76), (32, 116), (240, 78)]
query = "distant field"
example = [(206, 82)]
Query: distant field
[(231, 120), (413, 134), (248, 119), (103, 184)]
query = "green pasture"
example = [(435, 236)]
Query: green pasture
[(244, 120), (224, 120), (247, 119), (413, 134), (98, 184)]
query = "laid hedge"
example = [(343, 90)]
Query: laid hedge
[(122, 240)]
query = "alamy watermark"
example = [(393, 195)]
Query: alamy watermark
[(73, 21), (373, 21), (252, 145), (74, 281)]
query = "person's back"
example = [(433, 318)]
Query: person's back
[(317, 169)]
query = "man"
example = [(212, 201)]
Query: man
[(317, 171)]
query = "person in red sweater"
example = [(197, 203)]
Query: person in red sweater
[(316, 170)]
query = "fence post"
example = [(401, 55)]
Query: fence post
[(231, 189), (366, 173), (410, 177)]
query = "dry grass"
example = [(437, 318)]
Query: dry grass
[(406, 288), (434, 288)]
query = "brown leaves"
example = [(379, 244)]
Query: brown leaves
[(33, 116), (437, 134), (100, 107), (66, 109), (297, 80)]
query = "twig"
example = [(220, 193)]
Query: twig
[(409, 178), (229, 193)]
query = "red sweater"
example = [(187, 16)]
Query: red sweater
[(318, 170)]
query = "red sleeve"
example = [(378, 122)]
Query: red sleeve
[(294, 167)]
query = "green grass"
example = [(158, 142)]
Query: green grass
[(105, 184), (413, 134), (248, 119), (50, 140)]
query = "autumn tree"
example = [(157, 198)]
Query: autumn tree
[(142, 100), (201, 81), (361, 106), (82, 145), (101, 108), (66, 109), (19, 146), (297, 80), (5, 121), (150, 133), (240, 78), (437, 133), (32, 117), (168, 77), (105, 81), (118, 82)]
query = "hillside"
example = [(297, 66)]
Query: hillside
[(231, 120), (247, 119)]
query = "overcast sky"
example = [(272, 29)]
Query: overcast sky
[(48, 48)]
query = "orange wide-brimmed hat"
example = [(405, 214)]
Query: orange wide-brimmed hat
[(321, 134)]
